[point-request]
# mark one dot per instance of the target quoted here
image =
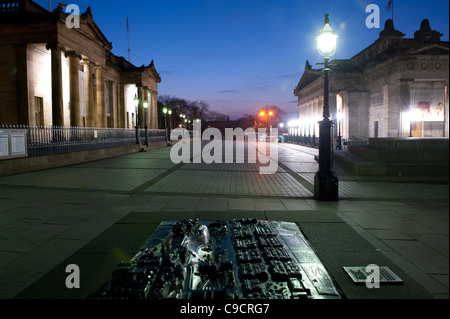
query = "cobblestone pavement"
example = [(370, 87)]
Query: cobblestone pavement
[(96, 214)]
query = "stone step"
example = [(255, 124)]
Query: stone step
[(411, 144), (383, 155), (364, 167)]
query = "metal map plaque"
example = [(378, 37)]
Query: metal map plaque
[(238, 259)]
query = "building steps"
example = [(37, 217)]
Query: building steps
[(390, 157)]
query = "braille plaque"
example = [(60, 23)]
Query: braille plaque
[(360, 275)]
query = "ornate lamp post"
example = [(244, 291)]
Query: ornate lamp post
[(170, 119), (136, 105), (165, 110), (326, 183)]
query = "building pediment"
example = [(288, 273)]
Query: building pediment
[(433, 49), (90, 29), (150, 71), (308, 77)]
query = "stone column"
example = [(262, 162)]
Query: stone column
[(75, 107), (121, 106), (392, 109), (22, 85), (101, 120), (140, 115), (57, 88), (146, 110), (114, 105), (151, 115), (155, 110), (446, 113), (91, 110)]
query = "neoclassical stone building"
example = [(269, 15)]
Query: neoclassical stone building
[(397, 87), (51, 74)]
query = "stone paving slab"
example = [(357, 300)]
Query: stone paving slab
[(235, 167), (335, 261), (230, 183), (130, 163), (85, 178), (23, 271), (52, 284), (426, 259), (305, 216)]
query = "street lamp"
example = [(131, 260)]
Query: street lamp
[(145, 120), (136, 105), (165, 110), (326, 183)]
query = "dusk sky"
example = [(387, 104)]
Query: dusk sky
[(239, 55)]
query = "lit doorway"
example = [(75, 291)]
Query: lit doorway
[(416, 129)]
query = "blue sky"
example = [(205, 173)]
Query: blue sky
[(239, 55)]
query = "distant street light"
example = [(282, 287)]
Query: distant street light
[(145, 120), (136, 107), (170, 120), (165, 110), (326, 183)]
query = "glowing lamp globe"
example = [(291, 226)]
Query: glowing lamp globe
[(326, 40)]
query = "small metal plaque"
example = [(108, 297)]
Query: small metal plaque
[(359, 275)]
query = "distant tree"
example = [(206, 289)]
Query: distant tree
[(267, 120), (247, 121), (192, 109)]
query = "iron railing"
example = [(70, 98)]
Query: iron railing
[(52, 140), (314, 141)]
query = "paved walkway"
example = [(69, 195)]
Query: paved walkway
[(97, 214)]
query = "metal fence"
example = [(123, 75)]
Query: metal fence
[(52, 140), (314, 141), (304, 140)]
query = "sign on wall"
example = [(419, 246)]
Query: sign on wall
[(428, 105), (4, 144), (13, 144)]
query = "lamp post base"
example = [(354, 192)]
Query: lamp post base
[(326, 186), (339, 143), (138, 140)]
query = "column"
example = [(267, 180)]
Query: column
[(121, 106), (57, 89), (22, 85), (446, 106), (155, 109), (74, 79), (116, 104), (140, 115), (101, 120), (149, 108), (112, 104), (91, 110)]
